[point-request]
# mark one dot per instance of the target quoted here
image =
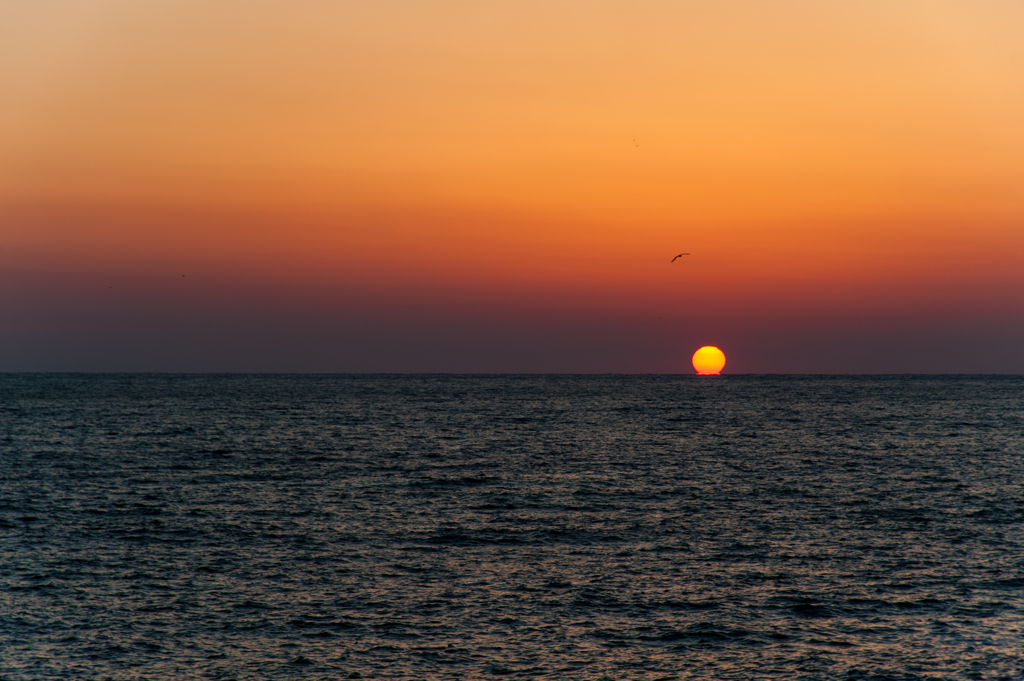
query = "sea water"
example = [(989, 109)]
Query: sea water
[(542, 527)]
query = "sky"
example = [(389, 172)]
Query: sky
[(412, 186)]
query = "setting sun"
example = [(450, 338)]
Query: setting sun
[(708, 361)]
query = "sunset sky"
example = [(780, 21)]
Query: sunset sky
[(500, 186)]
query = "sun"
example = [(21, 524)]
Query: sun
[(708, 361)]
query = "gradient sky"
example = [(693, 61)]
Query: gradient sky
[(500, 186)]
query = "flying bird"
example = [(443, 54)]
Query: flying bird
[(679, 256)]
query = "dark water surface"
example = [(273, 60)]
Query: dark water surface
[(556, 527)]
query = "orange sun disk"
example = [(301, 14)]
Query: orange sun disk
[(708, 361)]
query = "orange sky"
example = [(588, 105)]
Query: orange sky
[(465, 186)]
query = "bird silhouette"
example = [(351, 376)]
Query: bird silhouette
[(679, 256)]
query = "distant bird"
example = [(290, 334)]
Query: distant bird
[(679, 256)]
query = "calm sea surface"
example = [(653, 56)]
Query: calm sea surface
[(555, 527)]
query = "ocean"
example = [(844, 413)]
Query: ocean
[(511, 527)]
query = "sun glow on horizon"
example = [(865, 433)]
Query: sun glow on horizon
[(709, 361)]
